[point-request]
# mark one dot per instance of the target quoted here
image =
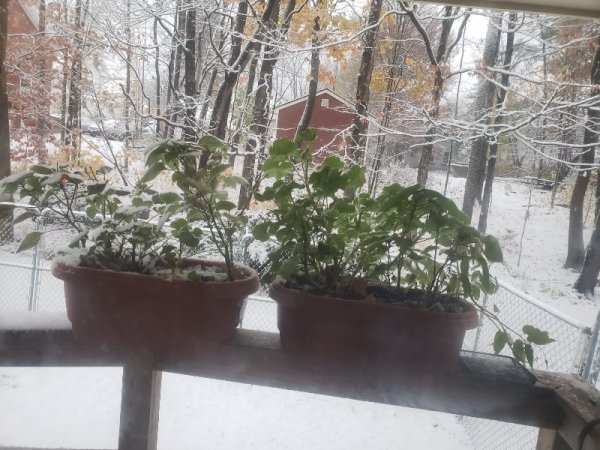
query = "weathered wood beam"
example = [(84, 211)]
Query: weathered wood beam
[(52, 348), (579, 8), (256, 358), (581, 403)]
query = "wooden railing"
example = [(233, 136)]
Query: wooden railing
[(562, 406)]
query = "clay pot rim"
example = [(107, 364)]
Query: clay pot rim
[(470, 315), (65, 271)]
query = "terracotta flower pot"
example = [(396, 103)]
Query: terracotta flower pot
[(146, 312), (360, 331)]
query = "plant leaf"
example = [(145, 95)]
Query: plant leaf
[(42, 170), (30, 241), (537, 336), (26, 215), (91, 211), (492, 250), (153, 172), (225, 205), (211, 142), (500, 341), (518, 350), (169, 197), (529, 354), (277, 169), (234, 180), (261, 231), (308, 135), (283, 147)]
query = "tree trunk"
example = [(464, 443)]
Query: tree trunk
[(126, 106), (235, 66), (483, 103), (65, 80), (575, 257), (491, 168), (260, 112), (213, 76), (175, 69), (586, 282), (438, 89), (6, 229), (157, 72), (73, 138), (190, 72), (313, 84), (390, 91), (235, 142), (360, 123), (42, 117)]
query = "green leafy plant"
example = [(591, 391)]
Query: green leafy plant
[(406, 240), (141, 232)]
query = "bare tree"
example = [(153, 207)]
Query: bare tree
[(360, 123), (190, 71), (591, 263), (73, 120), (5, 213), (313, 84), (484, 101), (491, 164), (438, 60), (238, 60), (260, 112)]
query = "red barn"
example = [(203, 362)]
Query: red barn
[(332, 118)]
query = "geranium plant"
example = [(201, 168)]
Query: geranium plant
[(406, 245), (142, 232)]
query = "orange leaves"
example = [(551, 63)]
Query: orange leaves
[(326, 77)]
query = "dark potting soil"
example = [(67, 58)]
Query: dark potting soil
[(361, 291)]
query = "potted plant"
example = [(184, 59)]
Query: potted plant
[(394, 278), (128, 276)]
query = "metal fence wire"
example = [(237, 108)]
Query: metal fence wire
[(27, 284), (567, 354)]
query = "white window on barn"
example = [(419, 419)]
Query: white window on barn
[(324, 103)]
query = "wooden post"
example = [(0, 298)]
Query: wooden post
[(550, 440), (140, 403)]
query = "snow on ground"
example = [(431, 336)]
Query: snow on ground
[(540, 272), (79, 408), (44, 406)]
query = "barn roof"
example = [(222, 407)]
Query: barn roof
[(31, 11), (319, 92)]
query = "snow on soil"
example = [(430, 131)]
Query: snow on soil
[(80, 407)]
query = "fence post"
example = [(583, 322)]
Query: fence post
[(589, 373)]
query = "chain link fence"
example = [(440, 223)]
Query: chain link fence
[(567, 354), (27, 284)]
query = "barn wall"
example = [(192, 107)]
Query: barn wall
[(330, 123)]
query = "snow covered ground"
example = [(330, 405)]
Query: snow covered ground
[(79, 407), (540, 272)]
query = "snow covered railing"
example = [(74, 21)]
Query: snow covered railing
[(485, 386)]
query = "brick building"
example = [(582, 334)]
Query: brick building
[(23, 24)]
